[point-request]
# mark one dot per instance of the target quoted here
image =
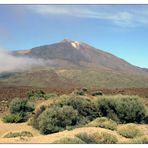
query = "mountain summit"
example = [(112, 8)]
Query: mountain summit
[(73, 53)]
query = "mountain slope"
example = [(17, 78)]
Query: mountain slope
[(76, 64), (80, 55)]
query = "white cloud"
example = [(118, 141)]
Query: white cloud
[(9, 62), (119, 15)]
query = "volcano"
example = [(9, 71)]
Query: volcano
[(72, 63)]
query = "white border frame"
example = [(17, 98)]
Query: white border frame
[(73, 1)]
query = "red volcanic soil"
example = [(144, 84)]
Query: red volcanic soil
[(142, 92), (8, 93)]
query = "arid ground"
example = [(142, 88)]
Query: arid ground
[(39, 138), (9, 93)]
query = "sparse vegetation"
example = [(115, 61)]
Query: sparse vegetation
[(39, 94), (87, 138), (13, 118), (129, 131), (36, 94), (126, 109), (19, 110), (97, 93), (98, 138), (66, 140), (139, 140), (18, 134), (50, 95), (105, 138), (80, 92), (73, 112), (84, 89), (103, 122)]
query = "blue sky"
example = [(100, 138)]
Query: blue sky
[(119, 29)]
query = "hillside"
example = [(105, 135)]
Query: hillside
[(68, 53), (75, 64)]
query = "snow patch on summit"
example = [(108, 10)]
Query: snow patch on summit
[(75, 44)]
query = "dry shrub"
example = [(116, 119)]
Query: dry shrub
[(103, 122), (87, 138), (38, 112), (140, 140), (18, 134), (129, 130), (137, 140), (66, 140), (98, 138)]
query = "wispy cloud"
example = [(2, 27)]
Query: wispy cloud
[(120, 15), (10, 63)]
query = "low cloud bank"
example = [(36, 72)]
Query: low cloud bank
[(11, 63)]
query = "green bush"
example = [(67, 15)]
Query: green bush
[(84, 89), (13, 118), (19, 110), (65, 140), (79, 92), (86, 108), (98, 138), (36, 94), (50, 96), (56, 119), (97, 93), (146, 120), (39, 94), (20, 106), (103, 122), (129, 131), (125, 108), (69, 128), (18, 134), (63, 97)]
